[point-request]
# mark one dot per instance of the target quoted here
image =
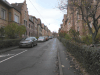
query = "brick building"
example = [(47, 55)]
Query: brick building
[(34, 21), (74, 20), (39, 25), (8, 14), (18, 13), (42, 29), (24, 18)]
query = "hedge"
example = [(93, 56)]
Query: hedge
[(88, 57), (9, 43)]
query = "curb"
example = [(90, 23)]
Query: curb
[(8, 49), (60, 67)]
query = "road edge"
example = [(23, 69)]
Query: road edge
[(60, 67)]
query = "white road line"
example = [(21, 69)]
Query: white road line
[(12, 56)]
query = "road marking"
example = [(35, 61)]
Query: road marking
[(6, 55), (12, 56)]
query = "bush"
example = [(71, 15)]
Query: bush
[(87, 39), (67, 37), (88, 57), (62, 34), (9, 43), (98, 37)]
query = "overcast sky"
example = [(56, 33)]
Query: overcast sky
[(48, 12)]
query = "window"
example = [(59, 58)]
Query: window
[(26, 32), (25, 22), (9, 16), (3, 14), (29, 25), (16, 18), (29, 33)]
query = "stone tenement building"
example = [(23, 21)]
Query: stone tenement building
[(74, 20), (18, 13)]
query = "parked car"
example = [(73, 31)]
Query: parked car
[(28, 42), (41, 38), (47, 38), (50, 37)]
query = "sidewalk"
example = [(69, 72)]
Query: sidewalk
[(8, 49), (66, 66)]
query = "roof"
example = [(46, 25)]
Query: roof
[(7, 3), (18, 6)]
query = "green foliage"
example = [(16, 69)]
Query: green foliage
[(87, 39), (67, 37), (73, 33), (62, 34), (21, 30), (98, 37), (13, 30), (1, 32)]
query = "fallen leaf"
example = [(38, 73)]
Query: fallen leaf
[(66, 58), (63, 66), (71, 66)]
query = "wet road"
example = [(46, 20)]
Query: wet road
[(39, 60)]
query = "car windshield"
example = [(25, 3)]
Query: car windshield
[(28, 39)]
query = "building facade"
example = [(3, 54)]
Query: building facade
[(18, 13)]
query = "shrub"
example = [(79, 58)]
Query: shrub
[(14, 30), (67, 37), (98, 37), (87, 39), (9, 43), (62, 34)]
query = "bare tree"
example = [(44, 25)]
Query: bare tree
[(89, 11)]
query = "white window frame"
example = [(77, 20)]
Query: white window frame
[(16, 18)]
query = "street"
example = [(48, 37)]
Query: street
[(39, 60)]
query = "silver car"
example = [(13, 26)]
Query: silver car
[(42, 39), (28, 42)]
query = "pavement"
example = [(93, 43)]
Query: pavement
[(66, 66)]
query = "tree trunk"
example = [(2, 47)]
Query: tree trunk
[(94, 37)]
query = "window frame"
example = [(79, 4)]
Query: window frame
[(3, 15)]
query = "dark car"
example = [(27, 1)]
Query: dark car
[(41, 39), (28, 42)]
